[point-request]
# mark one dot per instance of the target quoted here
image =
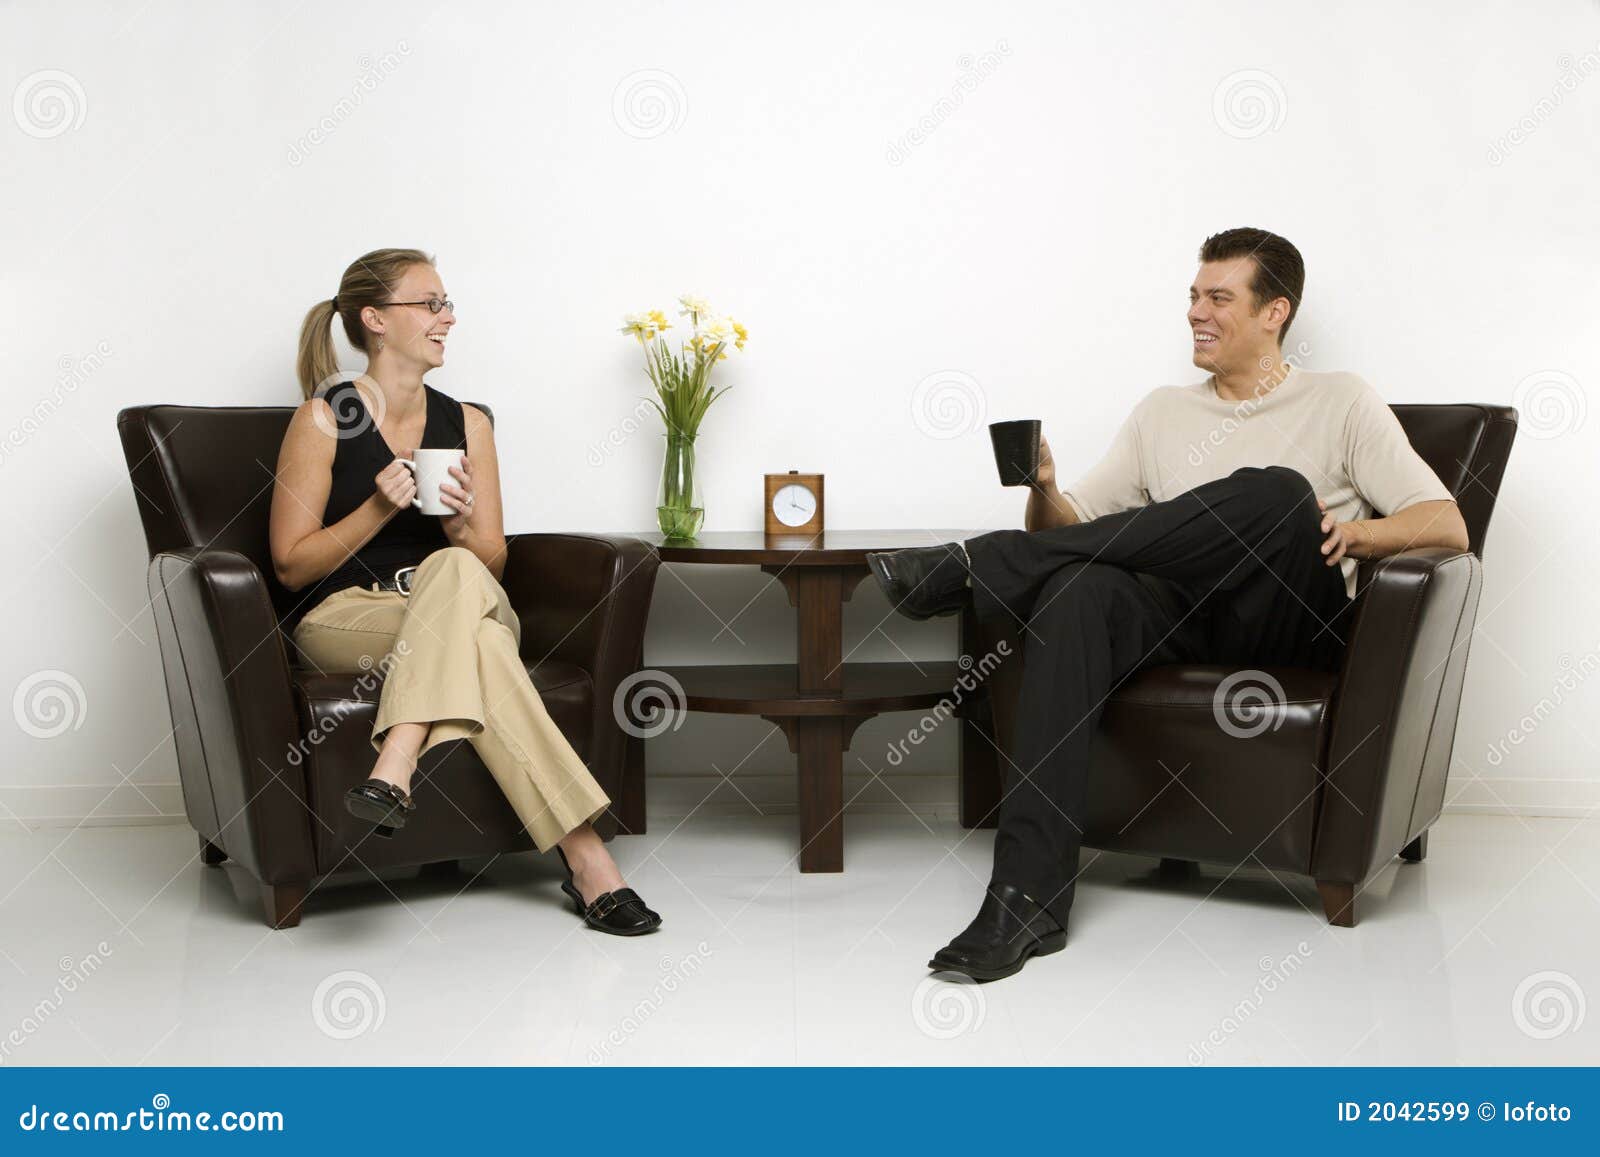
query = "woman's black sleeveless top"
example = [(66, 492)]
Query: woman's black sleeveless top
[(360, 453)]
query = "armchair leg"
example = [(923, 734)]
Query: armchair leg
[(1338, 902), (1174, 870), (210, 854), (629, 807), (281, 904), (1416, 851)]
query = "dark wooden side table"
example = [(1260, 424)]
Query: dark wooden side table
[(820, 700)]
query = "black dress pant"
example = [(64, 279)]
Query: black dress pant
[(1230, 572)]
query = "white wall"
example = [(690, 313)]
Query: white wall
[(1039, 239)]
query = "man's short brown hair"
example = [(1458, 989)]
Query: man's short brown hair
[(1280, 270)]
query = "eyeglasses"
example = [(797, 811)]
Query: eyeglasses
[(434, 304)]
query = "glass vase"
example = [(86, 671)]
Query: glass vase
[(679, 512)]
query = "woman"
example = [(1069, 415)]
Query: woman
[(420, 595)]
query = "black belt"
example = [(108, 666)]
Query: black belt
[(400, 583)]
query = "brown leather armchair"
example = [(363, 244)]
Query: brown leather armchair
[(266, 747), (1346, 771)]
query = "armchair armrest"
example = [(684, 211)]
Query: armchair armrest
[(584, 599), (233, 713), (1394, 716)]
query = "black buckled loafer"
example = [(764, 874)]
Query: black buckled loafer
[(922, 582), (381, 804), (621, 913), (1008, 929)]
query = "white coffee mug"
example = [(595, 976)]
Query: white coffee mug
[(431, 468)]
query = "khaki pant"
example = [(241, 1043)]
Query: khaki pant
[(455, 665)]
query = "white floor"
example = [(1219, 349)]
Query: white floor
[(1481, 955)]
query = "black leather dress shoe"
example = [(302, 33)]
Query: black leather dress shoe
[(922, 581), (621, 913), (381, 804), (1009, 928)]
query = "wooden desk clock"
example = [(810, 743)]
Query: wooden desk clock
[(794, 504)]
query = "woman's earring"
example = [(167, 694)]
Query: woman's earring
[(380, 343)]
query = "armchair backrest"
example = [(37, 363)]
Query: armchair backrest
[(203, 475), (1467, 445)]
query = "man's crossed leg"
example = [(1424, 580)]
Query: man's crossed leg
[(1229, 572)]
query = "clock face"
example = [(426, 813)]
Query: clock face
[(794, 505)]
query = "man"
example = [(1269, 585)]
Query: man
[(1223, 526)]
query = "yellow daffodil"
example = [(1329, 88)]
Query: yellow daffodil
[(740, 334), (718, 329), (639, 325), (658, 320), (702, 346)]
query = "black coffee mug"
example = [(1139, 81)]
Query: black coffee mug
[(1016, 450)]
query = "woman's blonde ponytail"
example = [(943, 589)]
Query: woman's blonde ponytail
[(317, 361)]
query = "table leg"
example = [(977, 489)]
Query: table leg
[(819, 646), (820, 743), (818, 594)]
